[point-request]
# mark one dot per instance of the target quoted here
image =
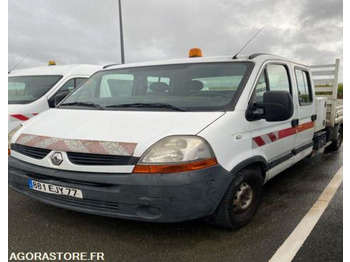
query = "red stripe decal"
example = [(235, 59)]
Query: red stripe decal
[(259, 141), (94, 147), (305, 126), (75, 145), (20, 117), (60, 145), (286, 132), (272, 137)]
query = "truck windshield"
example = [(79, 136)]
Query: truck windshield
[(27, 89), (182, 87)]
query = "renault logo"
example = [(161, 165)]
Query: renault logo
[(56, 159)]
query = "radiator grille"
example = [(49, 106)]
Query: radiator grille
[(100, 160), (34, 152)]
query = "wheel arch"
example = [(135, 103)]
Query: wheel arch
[(255, 161)]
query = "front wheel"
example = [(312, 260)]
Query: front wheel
[(240, 201)]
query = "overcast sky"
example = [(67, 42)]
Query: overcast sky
[(87, 31)]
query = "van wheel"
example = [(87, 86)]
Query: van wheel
[(240, 201), (336, 144)]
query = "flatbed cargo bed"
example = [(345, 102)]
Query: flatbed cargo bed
[(325, 78)]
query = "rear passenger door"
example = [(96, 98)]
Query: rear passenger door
[(306, 113), (273, 140)]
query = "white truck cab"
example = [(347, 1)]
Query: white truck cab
[(33, 90), (175, 140)]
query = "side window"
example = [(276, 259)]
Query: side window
[(274, 77), (261, 88), (71, 84), (88, 92), (78, 81), (278, 77), (304, 87), (68, 86)]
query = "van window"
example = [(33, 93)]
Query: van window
[(278, 77), (68, 86), (274, 77), (116, 85), (221, 83), (304, 87), (261, 88), (190, 87), (27, 89), (156, 79), (71, 84)]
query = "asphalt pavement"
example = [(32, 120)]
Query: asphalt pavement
[(34, 226)]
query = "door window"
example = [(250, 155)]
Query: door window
[(278, 77), (261, 88), (304, 87), (71, 84), (274, 77)]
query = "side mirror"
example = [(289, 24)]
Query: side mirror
[(276, 106), (59, 97)]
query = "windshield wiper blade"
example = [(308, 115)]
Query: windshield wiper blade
[(83, 104), (147, 105)]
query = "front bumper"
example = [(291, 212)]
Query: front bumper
[(147, 197)]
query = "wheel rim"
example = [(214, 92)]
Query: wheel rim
[(243, 198)]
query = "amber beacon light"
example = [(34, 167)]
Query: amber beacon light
[(195, 52)]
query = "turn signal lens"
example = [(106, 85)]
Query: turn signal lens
[(195, 52), (175, 168)]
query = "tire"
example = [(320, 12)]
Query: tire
[(336, 144), (241, 200)]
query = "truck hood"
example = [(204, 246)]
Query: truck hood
[(134, 127), (13, 108), (17, 114)]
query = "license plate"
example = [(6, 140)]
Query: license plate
[(53, 189)]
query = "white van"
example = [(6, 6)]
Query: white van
[(175, 140), (33, 90)]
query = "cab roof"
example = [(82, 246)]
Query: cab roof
[(76, 69), (258, 58)]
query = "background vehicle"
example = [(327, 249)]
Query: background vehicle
[(175, 140), (33, 90)]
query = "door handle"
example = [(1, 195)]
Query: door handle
[(295, 122)]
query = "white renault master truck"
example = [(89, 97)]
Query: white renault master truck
[(174, 140), (33, 90)]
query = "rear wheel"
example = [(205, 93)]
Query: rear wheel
[(240, 201), (336, 143)]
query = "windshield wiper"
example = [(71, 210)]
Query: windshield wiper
[(147, 105), (83, 104)]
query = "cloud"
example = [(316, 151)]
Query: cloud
[(87, 31)]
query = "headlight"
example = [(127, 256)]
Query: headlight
[(176, 154), (10, 135)]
